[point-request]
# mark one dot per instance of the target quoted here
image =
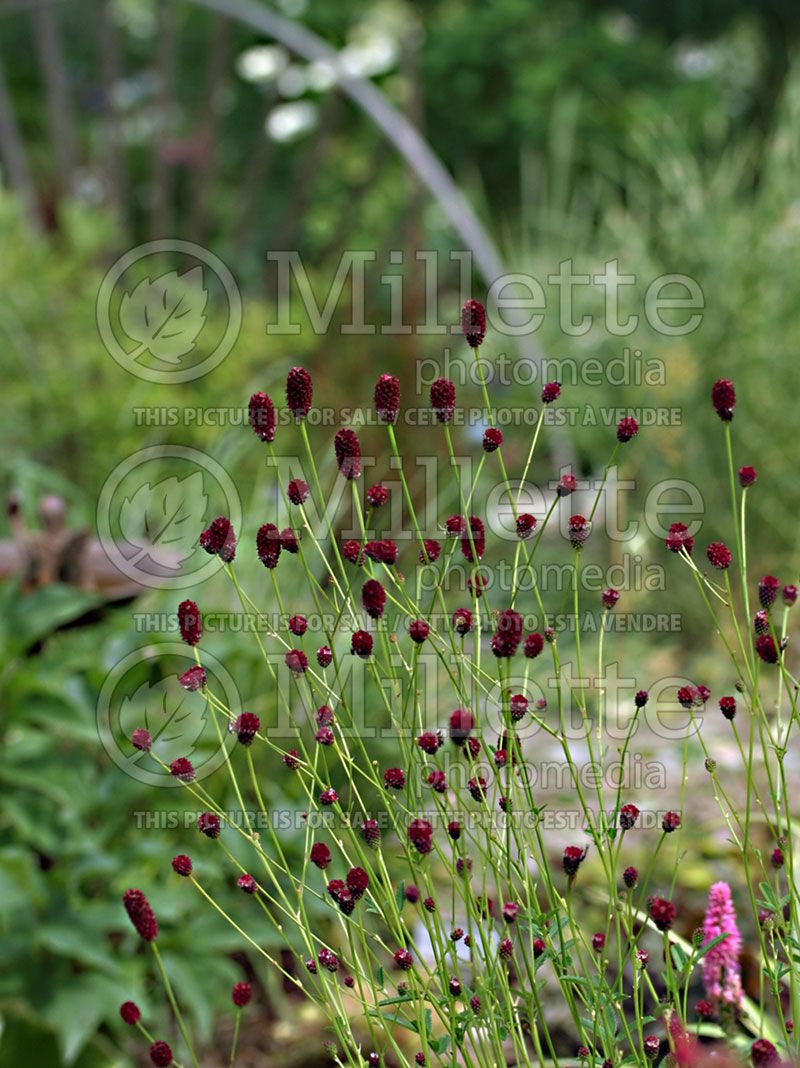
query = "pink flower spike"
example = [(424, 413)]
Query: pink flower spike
[(721, 971)]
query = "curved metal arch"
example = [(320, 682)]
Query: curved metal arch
[(394, 125)]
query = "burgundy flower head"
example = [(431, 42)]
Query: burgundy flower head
[(723, 397), (130, 1012), (641, 698), (628, 815), (719, 555), (610, 597), (328, 959), (768, 591), (348, 453), (473, 323), (420, 834), (141, 915), (508, 635), (299, 392), (371, 832), (747, 476), (182, 769), (630, 877), (141, 739), (572, 859), (411, 894), (518, 705), (462, 621), (579, 529), (241, 994), (429, 552), (298, 625), (297, 491), (182, 865), (526, 524), (296, 661), (189, 622), (418, 630), (208, 824), (161, 1055), (671, 822), (373, 598), (403, 960), (394, 778), (289, 540), (387, 398), (324, 736), (454, 526), (692, 696), (679, 538), (662, 912), (567, 484), (727, 706), (383, 551), (320, 855), (763, 1054), (510, 911), (352, 552), (218, 539), (475, 539), (492, 439), (761, 621), (194, 678), (443, 399), (534, 644), (247, 884), (627, 428), (357, 882), (461, 724), (261, 415), (437, 780), (361, 644), (789, 595), (268, 545), (477, 788), (551, 391), (246, 727), (324, 656), (767, 649), (377, 496), (429, 742)]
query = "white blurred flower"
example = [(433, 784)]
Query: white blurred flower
[(322, 75), (262, 63), (373, 55), (288, 121)]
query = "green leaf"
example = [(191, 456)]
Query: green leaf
[(77, 1010)]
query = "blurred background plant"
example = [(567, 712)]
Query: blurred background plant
[(665, 137)]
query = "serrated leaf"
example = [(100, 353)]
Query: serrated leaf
[(162, 521), (165, 315)]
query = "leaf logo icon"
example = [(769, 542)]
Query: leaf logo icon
[(165, 315), (162, 521), (174, 717)]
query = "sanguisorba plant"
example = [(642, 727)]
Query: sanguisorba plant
[(455, 936)]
